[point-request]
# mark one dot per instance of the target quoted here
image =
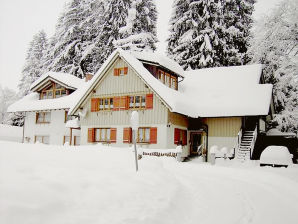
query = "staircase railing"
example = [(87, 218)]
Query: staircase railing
[(238, 143), (254, 139)]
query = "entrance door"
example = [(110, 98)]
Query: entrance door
[(196, 143)]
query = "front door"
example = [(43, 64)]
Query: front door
[(195, 144)]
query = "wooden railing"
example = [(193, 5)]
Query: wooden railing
[(239, 138), (253, 142), (159, 154)]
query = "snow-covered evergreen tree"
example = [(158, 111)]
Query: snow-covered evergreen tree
[(139, 33), (275, 45), (209, 33), (34, 62), (66, 45), (236, 31)]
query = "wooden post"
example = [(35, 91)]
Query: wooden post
[(70, 140), (135, 147)]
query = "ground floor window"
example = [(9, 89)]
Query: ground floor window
[(102, 135), (66, 139), (147, 135), (180, 136), (77, 140), (42, 139), (43, 117)]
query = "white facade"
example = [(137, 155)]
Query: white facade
[(55, 130)]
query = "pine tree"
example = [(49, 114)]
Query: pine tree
[(65, 46), (275, 45), (34, 62), (209, 33), (139, 33)]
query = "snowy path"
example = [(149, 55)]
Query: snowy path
[(50, 184)]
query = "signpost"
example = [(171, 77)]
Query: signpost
[(134, 121)]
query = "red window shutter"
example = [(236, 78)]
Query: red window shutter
[(125, 70), (127, 132), (176, 136), (149, 101), (116, 103), (91, 132), (184, 137), (127, 103), (116, 72), (153, 135), (94, 104), (113, 135)]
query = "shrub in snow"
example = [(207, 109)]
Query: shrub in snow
[(276, 155)]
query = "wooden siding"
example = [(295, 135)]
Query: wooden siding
[(223, 127), (129, 84), (177, 119)]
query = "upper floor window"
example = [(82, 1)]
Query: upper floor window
[(167, 79), (106, 104), (137, 102), (43, 117), (53, 91), (120, 71)]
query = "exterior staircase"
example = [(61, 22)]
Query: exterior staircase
[(246, 145)]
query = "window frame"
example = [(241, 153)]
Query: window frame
[(42, 138), (142, 104), (103, 100), (106, 140), (52, 89), (143, 135), (43, 118)]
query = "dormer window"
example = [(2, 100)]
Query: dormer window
[(53, 91), (167, 79)]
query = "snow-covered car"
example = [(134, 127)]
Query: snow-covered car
[(276, 156)]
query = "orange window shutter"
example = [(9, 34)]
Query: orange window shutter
[(113, 135), (153, 135), (116, 72), (184, 137), (125, 70), (94, 104), (127, 135), (149, 101), (176, 136), (123, 102), (116, 102), (126, 102), (91, 136)]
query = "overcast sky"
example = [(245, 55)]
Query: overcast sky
[(21, 19)]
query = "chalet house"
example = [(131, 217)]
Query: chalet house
[(46, 109), (226, 107)]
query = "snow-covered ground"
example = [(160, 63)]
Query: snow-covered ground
[(98, 184), (11, 133)]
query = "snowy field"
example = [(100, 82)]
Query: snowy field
[(96, 184), (11, 133)]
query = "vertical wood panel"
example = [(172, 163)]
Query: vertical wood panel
[(223, 127)]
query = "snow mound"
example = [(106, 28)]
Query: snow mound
[(276, 155)]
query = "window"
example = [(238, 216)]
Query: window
[(43, 117), (120, 71), (77, 140), (66, 139), (167, 79), (66, 117), (180, 136), (42, 139), (143, 135), (102, 134), (106, 104), (53, 91), (137, 102)]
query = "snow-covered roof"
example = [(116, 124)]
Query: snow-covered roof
[(199, 95), (75, 123), (160, 59), (31, 102), (67, 80)]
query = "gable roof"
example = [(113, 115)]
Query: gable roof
[(198, 96), (31, 102), (67, 80)]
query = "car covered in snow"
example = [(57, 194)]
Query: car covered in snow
[(276, 156)]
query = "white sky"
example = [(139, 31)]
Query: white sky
[(21, 19)]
